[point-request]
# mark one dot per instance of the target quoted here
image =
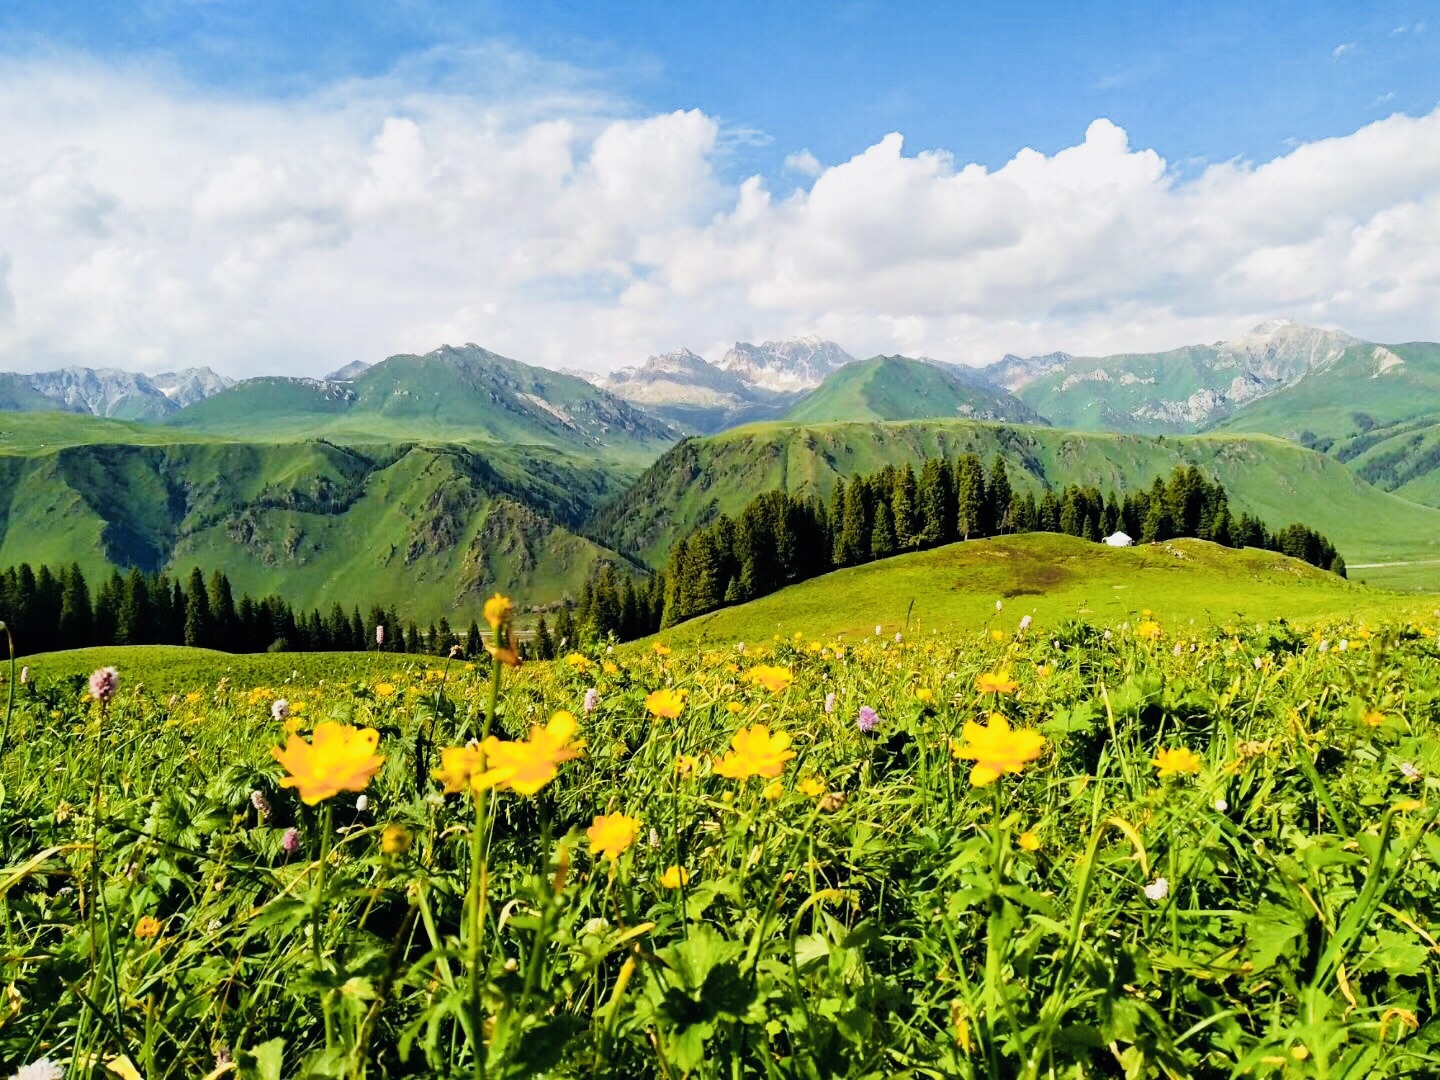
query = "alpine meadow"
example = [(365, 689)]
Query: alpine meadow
[(635, 541)]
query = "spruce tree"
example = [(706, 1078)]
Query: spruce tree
[(937, 510), (970, 497), (854, 528), (905, 508), (882, 536), (1000, 496), (134, 627), (197, 611), (222, 610), (544, 645), (76, 626), (835, 522)]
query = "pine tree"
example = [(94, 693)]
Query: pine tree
[(937, 504), (854, 529), (197, 611), (905, 508), (1000, 496), (544, 645), (222, 610), (565, 631), (474, 643), (76, 623), (134, 623), (882, 536), (970, 497), (835, 522)]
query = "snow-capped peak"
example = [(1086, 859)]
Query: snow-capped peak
[(793, 364)]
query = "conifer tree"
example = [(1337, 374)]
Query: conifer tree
[(134, 623), (970, 497), (854, 528), (937, 509), (882, 536), (544, 645), (565, 639), (1000, 496), (197, 611), (76, 624), (905, 508)]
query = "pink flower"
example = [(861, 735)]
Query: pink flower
[(290, 840), (380, 635), (261, 804), (103, 684), (592, 700), (830, 702), (868, 720)]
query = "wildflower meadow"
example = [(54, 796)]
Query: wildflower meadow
[(1143, 850)]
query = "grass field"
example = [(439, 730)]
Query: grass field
[(1070, 850), (1052, 578)]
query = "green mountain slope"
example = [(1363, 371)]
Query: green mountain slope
[(1368, 386), (899, 388), (1274, 479), (464, 394), (432, 529), (1185, 584)]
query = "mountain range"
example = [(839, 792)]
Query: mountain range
[(434, 477)]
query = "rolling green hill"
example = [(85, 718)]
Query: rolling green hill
[(465, 394), (1185, 584), (431, 529), (1278, 481), (899, 388)]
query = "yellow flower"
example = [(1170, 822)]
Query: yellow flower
[(147, 927), (578, 661), (685, 764), (193, 696), (1373, 718), (498, 611), (674, 877), (997, 635), (1179, 762), (612, 834), (924, 695), (1042, 672), (339, 758), (660, 649), (996, 749), (610, 668), (525, 767), (756, 752), (734, 708), (384, 690), (297, 706), (996, 682), (1149, 630), (396, 840), (773, 791), (666, 703), (813, 786), (1028, 841), (775, 679)]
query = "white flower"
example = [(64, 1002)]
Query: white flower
[(1221, 805), (1025, 624), (999, 605), (877, 629), (1107, 635), (1325, 645), (1158, 889), (44, 1069), (1344, 645), (897, 637), (362, 803), (1258, 662), (279, 709), (1177, 650), (1409, 771)]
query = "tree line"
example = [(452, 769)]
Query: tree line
[(780, 538), (47, 609)]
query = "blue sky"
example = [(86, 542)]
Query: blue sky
[(1197, 82), (285, 187)]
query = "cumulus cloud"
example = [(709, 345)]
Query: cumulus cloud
[(149, 225)]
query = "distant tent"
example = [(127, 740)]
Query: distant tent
[(1118, 539)]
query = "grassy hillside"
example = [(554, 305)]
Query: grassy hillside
[(899, 388), (1051, 578), (466, 394), (46, 432), (431, 529), (1277, 480)]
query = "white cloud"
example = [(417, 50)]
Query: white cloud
[(144, 224), (1340, 50), (804, 162)]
